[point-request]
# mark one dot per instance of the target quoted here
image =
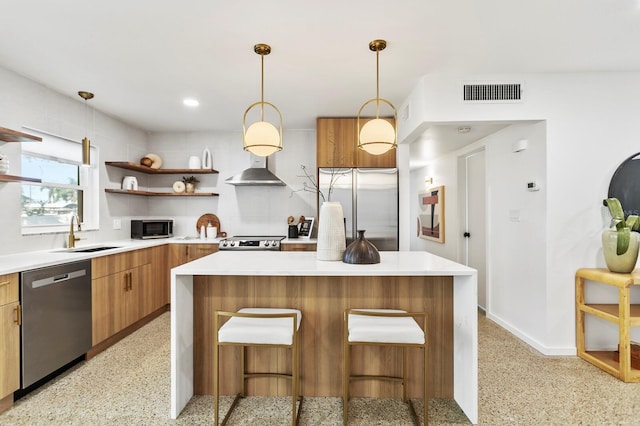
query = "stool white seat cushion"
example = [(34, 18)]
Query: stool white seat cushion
[(268, 331), (378, 329)]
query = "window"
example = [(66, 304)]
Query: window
[(67, 188)]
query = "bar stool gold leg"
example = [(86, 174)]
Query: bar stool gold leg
[(216, 382), (346, 372), (426, 385)]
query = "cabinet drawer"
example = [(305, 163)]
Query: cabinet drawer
[(107, 265), (8, 288)]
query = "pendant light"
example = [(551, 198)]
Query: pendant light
[(86, 143), (262, 138), (378, 136)]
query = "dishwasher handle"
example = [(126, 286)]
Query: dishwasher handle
[(58, 278)]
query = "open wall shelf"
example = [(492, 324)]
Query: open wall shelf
[(8, 135), (161, 194), (143, 169), (10, 178)]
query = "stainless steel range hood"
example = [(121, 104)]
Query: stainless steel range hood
[(256, 175)]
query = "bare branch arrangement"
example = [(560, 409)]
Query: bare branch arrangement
[(311, 183)]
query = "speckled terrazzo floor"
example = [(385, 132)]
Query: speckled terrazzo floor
[(129, 385)]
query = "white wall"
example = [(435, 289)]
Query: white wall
[(24, 102), (589, 130), (242, 210)]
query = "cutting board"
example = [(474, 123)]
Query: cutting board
[(205, 219)]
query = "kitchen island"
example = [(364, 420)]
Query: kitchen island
[(413, 281)]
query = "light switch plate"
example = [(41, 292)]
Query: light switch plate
[(117, 224)]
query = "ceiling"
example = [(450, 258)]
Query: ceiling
[(141, 58)]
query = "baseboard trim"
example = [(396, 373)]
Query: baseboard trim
[(124, 333), (544, 350)]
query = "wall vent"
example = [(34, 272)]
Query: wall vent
[(506, 92)]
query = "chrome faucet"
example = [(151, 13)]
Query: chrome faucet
[(72, 237)]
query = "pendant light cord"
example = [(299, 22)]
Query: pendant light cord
[(262, 87)]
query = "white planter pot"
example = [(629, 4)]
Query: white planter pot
[(331, 238)]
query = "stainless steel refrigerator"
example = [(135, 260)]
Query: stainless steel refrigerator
[(369, 198)]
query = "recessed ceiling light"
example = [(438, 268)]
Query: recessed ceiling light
[(191, 102)]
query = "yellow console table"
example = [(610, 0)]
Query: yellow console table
[(623, 313)]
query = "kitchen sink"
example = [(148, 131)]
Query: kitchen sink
[(89, 249)]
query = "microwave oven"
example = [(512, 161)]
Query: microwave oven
[(151, 228)]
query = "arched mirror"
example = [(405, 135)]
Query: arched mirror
[(625, 185)]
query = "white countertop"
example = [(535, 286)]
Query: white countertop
[(287, 263), (39, 259)]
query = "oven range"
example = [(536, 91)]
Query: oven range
[(252, 242)]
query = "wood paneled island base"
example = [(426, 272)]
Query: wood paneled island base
[(322, 301), (412, 281)]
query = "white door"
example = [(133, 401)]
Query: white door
[(475, 220)]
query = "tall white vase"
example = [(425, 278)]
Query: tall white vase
[(331, 239)]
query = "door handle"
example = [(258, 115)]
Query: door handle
[(466, 235), (130, 280)]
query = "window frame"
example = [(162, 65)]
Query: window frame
[(88, 180)]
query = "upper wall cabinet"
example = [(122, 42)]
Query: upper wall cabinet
[(336, 145)]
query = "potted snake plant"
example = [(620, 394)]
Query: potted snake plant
[(620, 244)]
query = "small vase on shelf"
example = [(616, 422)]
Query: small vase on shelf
[(361, 251), (331, 238)]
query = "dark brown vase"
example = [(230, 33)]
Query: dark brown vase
[(361, 251)]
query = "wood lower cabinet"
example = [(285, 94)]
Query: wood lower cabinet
[(122, 291), (298, 247), (9, 339), (120, 299), (183, 253), (336, 145), (161, 294)]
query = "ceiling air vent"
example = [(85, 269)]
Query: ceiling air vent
[(511, 92)]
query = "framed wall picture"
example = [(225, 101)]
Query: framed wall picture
[(305, 228), (431, 214)]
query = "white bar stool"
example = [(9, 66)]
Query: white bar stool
[(384, 327), (271, 327)]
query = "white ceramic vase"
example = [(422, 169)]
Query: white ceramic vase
[(331, 238)]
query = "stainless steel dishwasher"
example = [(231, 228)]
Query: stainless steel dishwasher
[(56, 318)]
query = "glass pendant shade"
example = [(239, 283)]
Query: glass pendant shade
[(262, 139), (377, 136)]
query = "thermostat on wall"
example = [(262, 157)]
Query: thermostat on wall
[(533, 186)]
